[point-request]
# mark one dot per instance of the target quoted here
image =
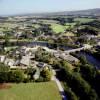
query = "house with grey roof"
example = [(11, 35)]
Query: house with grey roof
[(69, 58), (25, 61)]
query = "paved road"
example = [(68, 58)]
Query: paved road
[(61, 90)]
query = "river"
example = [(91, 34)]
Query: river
[(45, 44), (91, 59)]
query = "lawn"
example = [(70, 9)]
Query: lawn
[(31, 91)]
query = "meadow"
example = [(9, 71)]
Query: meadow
[(31, 91)]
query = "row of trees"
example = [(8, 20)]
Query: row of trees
[(17, 76), (11, 76), (75, 84), (90, 74)]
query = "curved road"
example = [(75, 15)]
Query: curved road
[(61, 90)]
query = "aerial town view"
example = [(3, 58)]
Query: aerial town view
[(49, 49)]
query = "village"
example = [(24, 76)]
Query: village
[(50, 57)]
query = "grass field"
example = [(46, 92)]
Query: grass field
[(57, 28), (61, 28), (36, 25), (31, 91), (83, 20)]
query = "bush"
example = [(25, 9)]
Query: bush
[(77, 84), (3, 77), (83, 60), (41, 79), (88, 72), (26, 80), (70, 94), (3, 68), (46, 74), (16, 76)]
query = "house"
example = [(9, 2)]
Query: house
[(41, 64), (2, 58), (9, 62), (57, 55), (37, 74), (69, 58), (17, 63), (18, 34), (6, 61), (2, 34), (25, 61), (98, 43)]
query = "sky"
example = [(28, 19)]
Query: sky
[(12, 7)]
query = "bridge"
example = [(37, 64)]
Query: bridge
[(86, 46)]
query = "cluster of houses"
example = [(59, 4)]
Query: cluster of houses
[(26, 59), (66, 57)]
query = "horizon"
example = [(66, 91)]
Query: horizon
[(38, 13), (18, 7)]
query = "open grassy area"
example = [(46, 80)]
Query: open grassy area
[(58, 28), (69, 34), (49, 21), (36, 25), (83, 20), (31, 91), (61, 28)]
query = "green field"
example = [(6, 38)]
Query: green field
[(61, 28), (57, 28), (83, 20), (36, 25), (31, 91)]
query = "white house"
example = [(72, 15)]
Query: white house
[(25, 61), (2, 58)]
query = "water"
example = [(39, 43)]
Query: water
[(45, 44), (91, 59)]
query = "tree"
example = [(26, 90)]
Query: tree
[(16, 76), (70, 20), (83, 60), (3, 68), (92, 95), (88, 72), (46, 74), (3, 77), (6, 43), (31, 71)]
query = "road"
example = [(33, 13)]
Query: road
[(86, 46), (61, 90)]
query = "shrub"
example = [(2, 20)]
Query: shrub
[(3, 68), (3, 77), (46, 74), (16, 76)]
